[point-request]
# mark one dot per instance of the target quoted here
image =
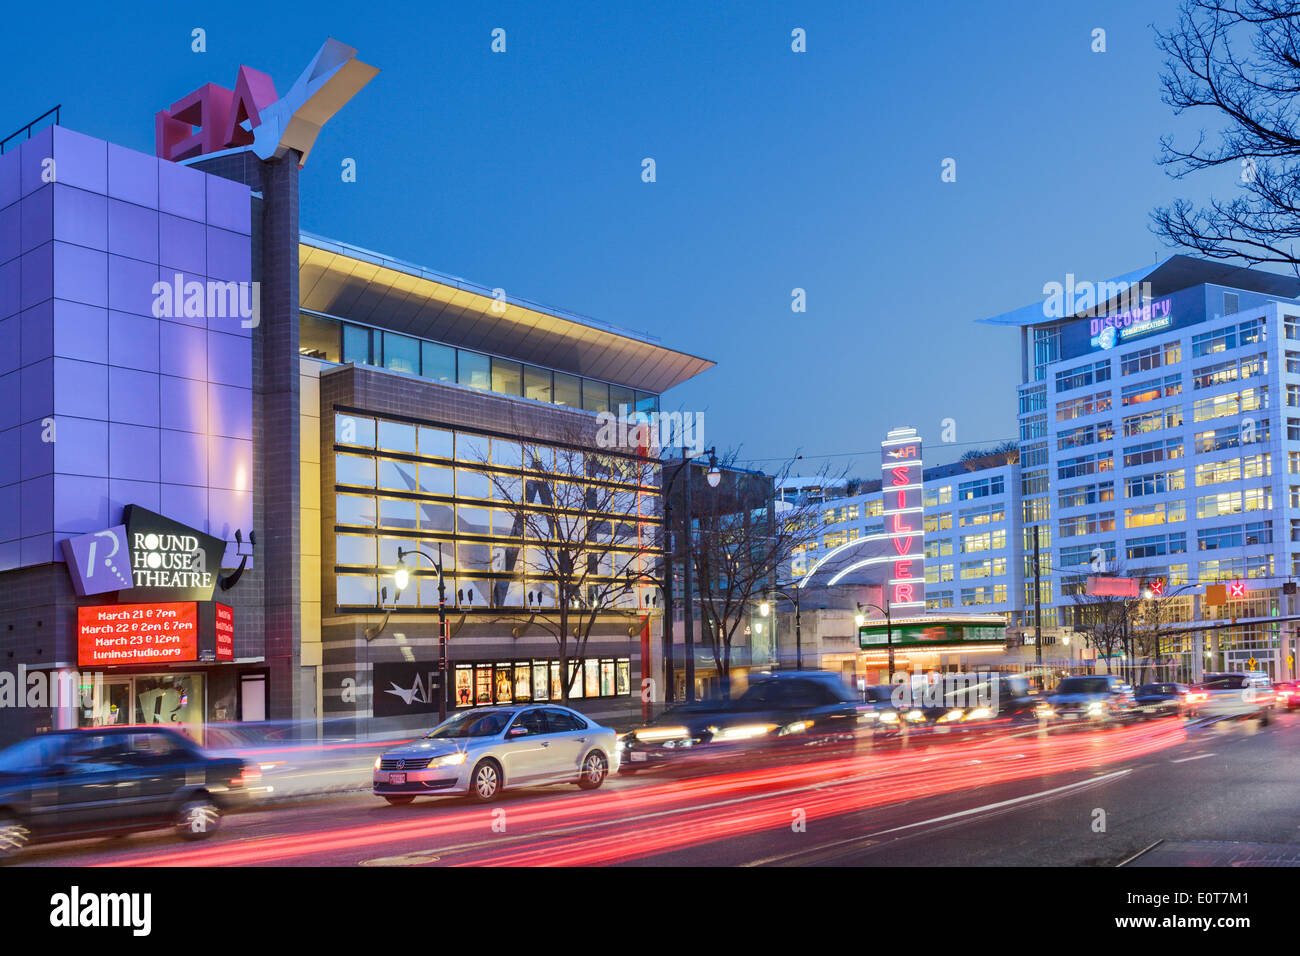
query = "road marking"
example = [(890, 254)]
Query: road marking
[(869, 839), (1197, 757)]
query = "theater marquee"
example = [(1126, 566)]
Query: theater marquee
[(902, 490)]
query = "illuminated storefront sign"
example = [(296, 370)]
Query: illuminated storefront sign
[(1107, 331), (150, 555), (112, 634), (224, 628), (901, 493), (914, 634)]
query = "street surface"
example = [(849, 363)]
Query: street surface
[(1160, 791)]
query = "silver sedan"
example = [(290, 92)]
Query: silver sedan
[(483, 751)]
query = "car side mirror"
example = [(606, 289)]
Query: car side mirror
[(517, 732)]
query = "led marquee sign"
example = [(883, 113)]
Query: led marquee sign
[(901, 493)]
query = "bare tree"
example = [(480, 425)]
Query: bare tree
[(741, 544), (585, 524), (1239, 59)]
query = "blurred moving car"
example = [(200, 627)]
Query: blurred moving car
[(1101, 699), (1237, 694), (1288, 694), (486, 750), (103, 780), (1160, 700), (781, 707)]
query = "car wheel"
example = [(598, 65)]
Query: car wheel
[(399, 801), (13, 836), (485, 781), (594, 769), (198, 818)]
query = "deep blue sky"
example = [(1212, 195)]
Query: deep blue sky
[(775, 170)]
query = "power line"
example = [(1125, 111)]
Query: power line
[(873, 451)]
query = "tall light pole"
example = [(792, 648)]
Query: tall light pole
[(765, 608), (402, 577), (861, 619), (713, 476)]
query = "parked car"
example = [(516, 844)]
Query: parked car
[(483, 751), (1160, 700), (1288, 694), (1101, 699), (1238, 694), (777, 708), (104, 780)]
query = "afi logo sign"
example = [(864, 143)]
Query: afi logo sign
[(213, 118)]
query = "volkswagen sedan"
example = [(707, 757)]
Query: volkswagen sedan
[(483, 751)]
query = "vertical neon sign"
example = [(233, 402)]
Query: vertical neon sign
[(902, 497)]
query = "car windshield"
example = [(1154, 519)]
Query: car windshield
[(472, 723), (1083, 685)]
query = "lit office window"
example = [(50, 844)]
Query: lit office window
[(401, 353), (474, 370)]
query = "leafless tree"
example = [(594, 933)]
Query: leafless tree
[(1240, 60), (742, 542), (585, 521)]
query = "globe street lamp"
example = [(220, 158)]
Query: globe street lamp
[(861, 619), (402, 577)]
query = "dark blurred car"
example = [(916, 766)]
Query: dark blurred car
[(782, 707), (1288, 694), (1100, 699), (103, 780), (1161, 700)]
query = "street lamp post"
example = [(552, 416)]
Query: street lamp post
[(765, 608), (402, 577), (714, 476), (889, 629)]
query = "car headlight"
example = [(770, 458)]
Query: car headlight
[(915, 715), (797, 727), (378, 761), (659, 733), (1042, 710), (952, 715), (451, 760), (746, 731), (979, 713), (889, 717), (1096, 707)]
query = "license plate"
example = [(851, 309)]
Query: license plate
[(397, 778), (637, 757)]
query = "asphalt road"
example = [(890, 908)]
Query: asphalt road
[(1096, 798)]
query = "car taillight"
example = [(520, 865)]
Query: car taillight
[(250, 774), (1193, 698)]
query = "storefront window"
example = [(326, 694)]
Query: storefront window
[(540, 681), (557, 692), (568, 390), (483, 684), (318, 338), (438, 362), (623, 682), (507, 377), (474, 370), (505, 692), (575, 680), (523, 681), (464, 685), (401, 353), (356, 344), (591, 678), (606, 678)]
